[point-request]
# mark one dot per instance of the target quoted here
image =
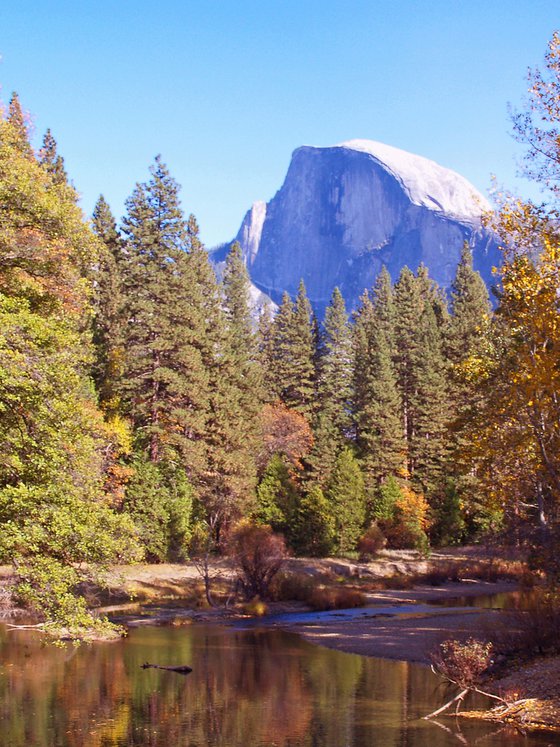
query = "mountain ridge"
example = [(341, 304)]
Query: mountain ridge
[(346, 210)]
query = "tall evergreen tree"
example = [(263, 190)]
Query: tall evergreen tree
[(108, 308), (470, 310), (181, 380), (295, 352), (346, 496), (421, 376), (17, 134), (377, 400), (51, 161), (335, 377), (237, 305), (429, 446), (334, 389), (290, 354), (235, 387), (267, 354), (155, 286)]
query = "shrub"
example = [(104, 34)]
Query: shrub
[(259, 553), (292, 587), (277, 495), (371, 543), (336, 599), (463, 662), (441, 573), (403, 536), (256, 608), (403, 517)]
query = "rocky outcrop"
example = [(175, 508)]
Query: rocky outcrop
[(345, 211)]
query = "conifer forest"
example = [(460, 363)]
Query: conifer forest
[(148, 411)]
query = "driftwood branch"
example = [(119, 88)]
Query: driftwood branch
[(13, 626), (179, 670), (457, 699)]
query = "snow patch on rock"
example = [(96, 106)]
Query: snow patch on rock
[(426, 182)]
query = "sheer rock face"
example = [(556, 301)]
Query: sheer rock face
[(345, 211)]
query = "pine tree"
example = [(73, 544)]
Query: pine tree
[(429, 447), (384, 306), (155, 286), (277, 351), (266, 354), (421, 371), (470, 310), (346, 496), (243, 340), (408, 306), (233, 425), (335, 378), (315, 530), (18, 135), (108, 306), (303, 355), (51, 161), (377, 399), (334, 390), (292, 373), (181, 380)]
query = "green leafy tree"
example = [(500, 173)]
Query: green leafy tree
[(147, 500), (57, 525), (386, 500), (160, 501)]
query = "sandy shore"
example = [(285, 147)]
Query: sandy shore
[(410, 636)]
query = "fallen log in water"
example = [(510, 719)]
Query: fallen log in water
[(180, 670)]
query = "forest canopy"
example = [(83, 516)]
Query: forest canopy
[(146, 407)]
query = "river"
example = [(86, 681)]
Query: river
[(248, 688)]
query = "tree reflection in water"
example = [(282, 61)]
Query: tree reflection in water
[(247, 688)]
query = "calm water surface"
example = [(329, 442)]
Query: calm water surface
[(248, 689)]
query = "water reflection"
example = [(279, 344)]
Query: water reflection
[(249, 688)]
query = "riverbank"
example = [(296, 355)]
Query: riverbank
[(414, 635), (399, 621)]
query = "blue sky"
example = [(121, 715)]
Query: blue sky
[(225, 91)]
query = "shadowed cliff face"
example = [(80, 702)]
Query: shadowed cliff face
[(344, 212)]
